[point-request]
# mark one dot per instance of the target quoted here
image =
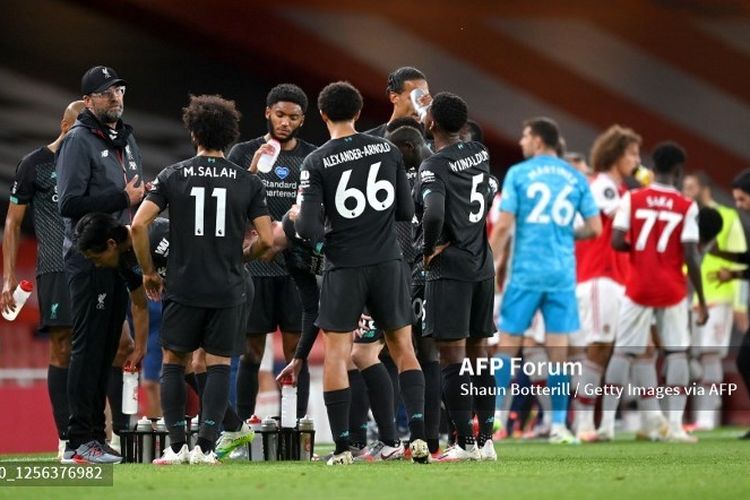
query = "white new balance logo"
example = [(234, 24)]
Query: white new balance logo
[(100, 299)]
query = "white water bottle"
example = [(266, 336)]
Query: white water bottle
[(288, 404), (266, 160), (129, 392), (421, 109), (144, 425), (20, 294)]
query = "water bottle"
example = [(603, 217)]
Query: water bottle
[(129, 392), (147, 450), (288, 404), (270, 431), (161, 426), (306, 438), (421, 109), (256, 446), (20, 294), (266, 161)]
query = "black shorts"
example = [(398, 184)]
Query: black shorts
[(247, 306), (417, 308), (382, 288), (186, 328), (276, 305), (54, 301), (456, 310)]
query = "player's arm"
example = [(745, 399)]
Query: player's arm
[(432, 224), (264, 241), (591, 228), (147, 212), (309, 224), (500, 240), (621, 226), (689, 238), (404, 201), (139, 309), (11, 240)]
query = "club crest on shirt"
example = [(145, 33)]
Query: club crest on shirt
[(282, 172)]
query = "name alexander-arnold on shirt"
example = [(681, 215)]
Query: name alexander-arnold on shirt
[(356, 154), (469, 161)]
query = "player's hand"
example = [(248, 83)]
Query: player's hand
[(721, 276), (7, 303), (154, 286), (701, 312), (291, 371), (293, 212), (135, 190), (264, 149), (501, 272), (427, 259), (134, 359)]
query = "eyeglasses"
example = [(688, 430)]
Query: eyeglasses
[(110, 93)]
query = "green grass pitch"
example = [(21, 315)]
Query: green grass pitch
[(717, 467)]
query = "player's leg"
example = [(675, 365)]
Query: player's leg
[(429, 359), (634, 322), (711, 346), (535, 353), (672, 323), (120, 421)]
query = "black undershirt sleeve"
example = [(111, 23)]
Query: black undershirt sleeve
[(432, 220)]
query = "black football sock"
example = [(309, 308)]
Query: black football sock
[(247, 387), (114, 395), (390, 365), (200, 381), (214, 404), (57, 386), (459, 406), (303, 390), (380, 393), (412, 392), (173, 400), (433, 390), (484, 404), (232, 422), (358, 409), (337, 407)]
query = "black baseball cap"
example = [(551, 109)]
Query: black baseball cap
[(98, 79)]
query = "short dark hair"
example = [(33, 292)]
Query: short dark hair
[(475, 130), (544, 128), (702, 177), (406, 134), (340, 101), (397, 79), (449, 111), (742, 181), (94, 229), (404, 121), (710, 224), (213, 121), (287, 92), (667, 156)]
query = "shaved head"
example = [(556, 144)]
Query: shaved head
[(70, 115)]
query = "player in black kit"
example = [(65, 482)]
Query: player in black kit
[(211, 202), (400, 84), (453, 193), (277, 302), (361, 182)]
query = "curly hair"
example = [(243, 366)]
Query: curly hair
[(287, 92), (611, 145), (340, 101), (213, 121), (668, 156), (449, 111)]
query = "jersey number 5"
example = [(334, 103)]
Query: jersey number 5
[(220, 194), (374, 186)]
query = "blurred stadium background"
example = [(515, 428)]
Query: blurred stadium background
[(670, 69)]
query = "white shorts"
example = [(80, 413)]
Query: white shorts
[(599, 307), (634, 327), (714, 336)]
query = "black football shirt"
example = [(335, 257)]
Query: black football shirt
[(282, 185), (211, 200), (36, 183), (361, 181), (461, 172)]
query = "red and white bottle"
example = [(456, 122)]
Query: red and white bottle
[(20, 295)]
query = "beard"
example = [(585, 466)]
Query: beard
[(288, 138), (108, 115)]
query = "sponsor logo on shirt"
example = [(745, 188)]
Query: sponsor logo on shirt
[(282, 172)]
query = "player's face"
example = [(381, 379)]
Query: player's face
[(529, 142), (402, 101), (630, 159), (741, 199), (284, 120), (107, 258), (108, 105), (690, 187)]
